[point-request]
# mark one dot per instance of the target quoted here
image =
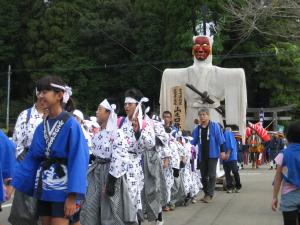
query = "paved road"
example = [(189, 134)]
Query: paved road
[(250, 206), (5, 213)]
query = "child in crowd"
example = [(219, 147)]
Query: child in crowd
[(54, 170), (230, 162), (288, 177)]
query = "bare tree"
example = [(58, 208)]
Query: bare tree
[(271, 18)]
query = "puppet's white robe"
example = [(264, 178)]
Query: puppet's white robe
[(227, 84)]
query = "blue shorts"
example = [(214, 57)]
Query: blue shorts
[(290, 201), (55, 209)]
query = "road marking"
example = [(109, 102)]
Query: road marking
[(6, 205)]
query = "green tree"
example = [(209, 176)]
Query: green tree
[(102, 48)]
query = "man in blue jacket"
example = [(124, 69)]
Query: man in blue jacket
[(210, 140), (230, 162)]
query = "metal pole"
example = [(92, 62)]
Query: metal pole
[(275, 125), (8, 97)]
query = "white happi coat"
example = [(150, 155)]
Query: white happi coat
[(175, 156), (186, 172), (160, 132), (24, 130), (88, 137), (196, 184), (165, 153), (182, 151), (135, 176), (112, 145), (220, 83)]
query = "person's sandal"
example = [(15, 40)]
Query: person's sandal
[(208, 199), (203, 198), (194, 200), (166, 209), (172, 206)]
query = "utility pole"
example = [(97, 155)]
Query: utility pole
[(8, 97)]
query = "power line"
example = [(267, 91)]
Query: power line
[(138, 64), (121, 45), (128, 50)]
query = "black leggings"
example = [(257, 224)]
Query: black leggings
[(291, 218)]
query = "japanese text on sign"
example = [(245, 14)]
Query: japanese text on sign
[(178, 107)]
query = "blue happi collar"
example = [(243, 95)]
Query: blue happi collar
[(200, 132)]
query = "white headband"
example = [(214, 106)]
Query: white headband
[(147, 110), (66, 89), (58, 86), (138, 110), (130, 100), (112, 119), (106, 105)]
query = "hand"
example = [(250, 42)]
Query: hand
[(274, 204), (70, 205), (8, 192), (165, 163), (223, 155), (135, 124)]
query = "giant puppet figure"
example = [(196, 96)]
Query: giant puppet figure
[(219, 83)]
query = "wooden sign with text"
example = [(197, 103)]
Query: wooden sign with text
[(178, 107)]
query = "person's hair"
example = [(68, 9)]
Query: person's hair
[(167, 112), (69, 106), (186, 133), (137, 95), (228, 129), (134, 93), (205, 110), (44, 84), (293, 132), (233, 127)]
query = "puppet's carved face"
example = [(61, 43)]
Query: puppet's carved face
[(201, 48)]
